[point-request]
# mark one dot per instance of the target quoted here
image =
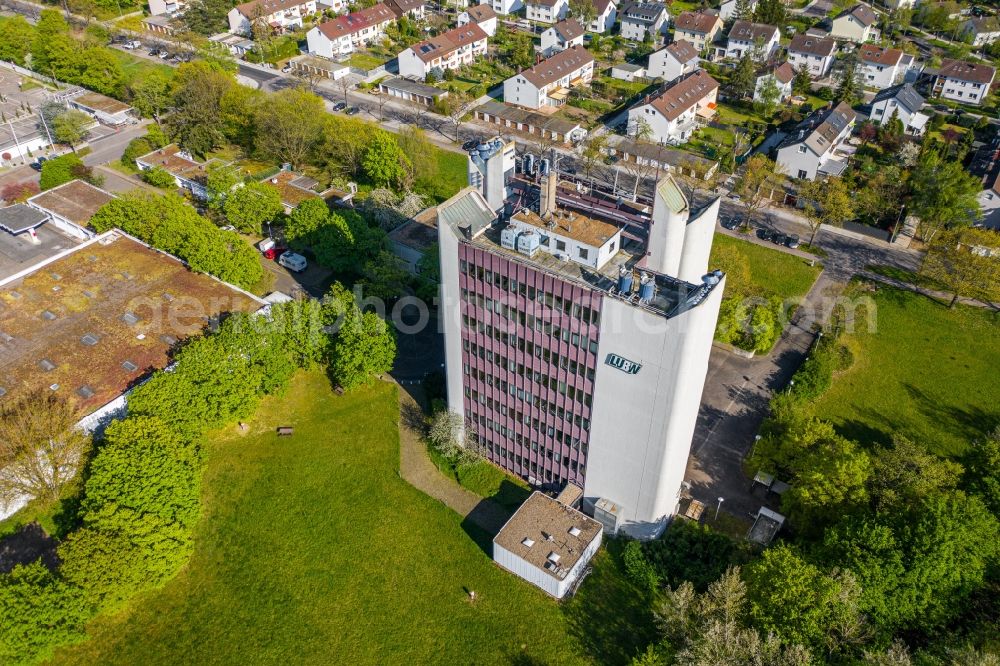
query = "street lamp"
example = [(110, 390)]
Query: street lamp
[(719, 506)]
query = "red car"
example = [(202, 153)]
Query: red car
[(274, 252)]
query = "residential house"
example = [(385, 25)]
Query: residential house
[(675, 113), (641, 18), (699, 28), (449, 50), (606, 13), (562, 36), (159, 7), (189, 174), (548, 82), (728, 8), (857, 24), (782, 75), (345, 34), (627, 71), (546, 11), (673, 61), (815, 147), (280, 15), (905, 103), (814, 54), (481, 15), (962, 81), (880, 67), (758, 39), (899, 4), (414, 9), (504, 7), (981, 30), (989, 204)]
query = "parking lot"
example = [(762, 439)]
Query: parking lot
[(18, 253)]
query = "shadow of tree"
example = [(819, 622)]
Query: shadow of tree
[(27, 545), (970, 422)]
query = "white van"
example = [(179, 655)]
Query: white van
[(293, 262)]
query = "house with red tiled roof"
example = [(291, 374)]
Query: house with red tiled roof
[(347, 33), (563, 35), (482, 15), (881, 67), (675, 113), (279, 14), (745, 37), (782, 74), (813, 54), (698, 28), (961, 81), (449, 50)]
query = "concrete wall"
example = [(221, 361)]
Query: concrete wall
[(450, 318), (540, 578)]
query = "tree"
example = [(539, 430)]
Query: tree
[(905, 474), (151, 95), (207, 17), (449, 436), (982, 471), (802, 83), (16, 35), (592, 154), (220, 179), (584, 11), (365, 347), (455, 106), (760, 176), (964, 262), (248, 207), (743, 11), (744, 77), (159, 177), (63, 169), (771, 12), (40, 447), (288, 125), (101, 71), (198, 90), (385, 277), (944, 195), (826, 202), (423, 165), (849, 87), (384, 163), (518, 51), (689, 551), (768, 95)]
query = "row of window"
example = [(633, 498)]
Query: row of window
[(556, 303), (523, 441), (516, 316), (500, 453), (509, 365), (534, 400)]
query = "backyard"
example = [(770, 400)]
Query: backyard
[(925, 372), (312, 548), (771, 271)]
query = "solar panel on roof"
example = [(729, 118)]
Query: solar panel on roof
[(90, 339), (130, 318), (129, 366)]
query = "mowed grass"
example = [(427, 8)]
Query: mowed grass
[(312, 549), (452, 175), (925, 372), (136, 68), (772, 271)]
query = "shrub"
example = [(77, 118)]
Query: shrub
[(159, 177), (136, 148), (688, 551), (638, 568), (59, 170)]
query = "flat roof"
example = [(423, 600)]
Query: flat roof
[(76, 201), (20, 217), (419, 232), (548, 535), (176, 162), (97, 318), (294, 188), (571, 224), (99, 102), (524, 116), (412, 87)]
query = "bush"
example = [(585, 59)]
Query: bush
[(159, 177), (688, 551), (60, 170), (638, 568), (816, 374), (136, 148)]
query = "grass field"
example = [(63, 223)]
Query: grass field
[(365, 61), (312, 549), (451, 176), (773, 271), (137, 68), (926, 372)]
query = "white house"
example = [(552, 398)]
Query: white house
[(481, 15), (814, 147), (344, 34), (880, 67), (449, 50), (547, 544), (640, 18), (606, 13), (989, 205), (189, 174), (160, 7), (814, 54), (699, 28), (627, 71), (546, 11), (962, 81), (759, 39), (414, 9), (504, 7), (982, 30), (548, 82), (279, 14), (905, 103), (675, 113), (728, 8), (782, 75), (561, 36), (673, 61), (857, 24)]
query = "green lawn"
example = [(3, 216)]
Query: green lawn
[(365, 61), (772, 270), (137, 68), (484, 479), (452, 175), (926, 372), (312, 549)]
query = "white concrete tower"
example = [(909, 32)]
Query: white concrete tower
[(666, 231)]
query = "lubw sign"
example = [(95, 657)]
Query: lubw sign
[(623, 364)]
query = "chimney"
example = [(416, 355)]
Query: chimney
[(547, 200), (665, 242)]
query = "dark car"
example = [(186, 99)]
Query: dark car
[(154, 52), (732, 223), (792, 242), (764, 234), (339, 106), (352, 111), (778, 238)]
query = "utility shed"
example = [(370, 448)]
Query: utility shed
[(547, 544)]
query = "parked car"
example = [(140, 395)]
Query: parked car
[(270, 249), (164, 55), (792, 242), (731, 223), (339, 106), (778, 238), (154, 52), (352, 111), (132, 44), (292, 261), (764, 234), (287, 68)]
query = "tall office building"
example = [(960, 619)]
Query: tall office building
[(577, 349)]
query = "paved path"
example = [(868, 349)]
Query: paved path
[(930, 293), (416, 468)]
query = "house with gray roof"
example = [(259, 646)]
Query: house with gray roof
[(903, 102), (815, 147), (640, 18)]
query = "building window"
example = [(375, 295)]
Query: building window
[(560, 245), (583, 252), (802, 173)]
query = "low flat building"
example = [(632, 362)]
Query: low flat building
[(639, 19), (758, 39), (346, 34), (880, 67), (628, 71), (903, 102), (548, 83), (961, 81), (547, 544), (162, 25), (676, 112), (412, 240), (189, 174), (481, 15), (698, 28), (563, 35), (449, 50), (530, 123), (673, 61), (546, 11), (411, 91), (22, 220), (858, 24), (280, 15), (294, 188), (103, 109), (814, 54), (814, 147), (661, 157), (307, 65), (71, 205), (237, 45)]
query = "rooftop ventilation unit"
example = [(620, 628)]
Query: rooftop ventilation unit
[(89, 294), (48, 315), (5, 338), (46, 365), (3, 391), (129, 366), (168, 340), (90, 339), (130, 318), (85, 392)]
